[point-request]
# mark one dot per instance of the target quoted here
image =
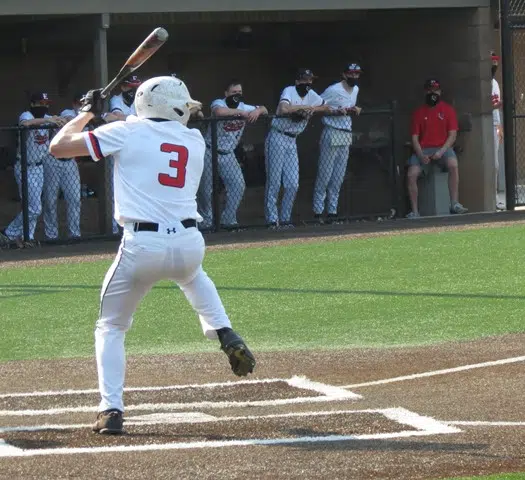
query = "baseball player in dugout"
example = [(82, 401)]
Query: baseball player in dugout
[(37, 153), (335, 142), (229, 133), (158, 168), (434, 132), (299, 102), (496, 117), (62, 176)]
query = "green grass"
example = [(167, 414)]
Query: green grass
[(388, 291)]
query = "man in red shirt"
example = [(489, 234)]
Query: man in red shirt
[(434, 131)]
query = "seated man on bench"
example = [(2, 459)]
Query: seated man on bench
[(434, 131)]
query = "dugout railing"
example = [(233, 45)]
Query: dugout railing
[(250, 177)]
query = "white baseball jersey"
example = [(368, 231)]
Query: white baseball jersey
[(158, 168), (229, 132), (116, 103), (496, 98), (69, 112), (290, 96), (336, 96), (37, 144)]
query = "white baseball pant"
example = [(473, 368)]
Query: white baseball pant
[(143, 259), (282, 167), (333, 159), (230, 173), (61, 175), (496, 154), (35, 182)]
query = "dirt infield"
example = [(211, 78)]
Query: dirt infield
[(189, 417), (399, 413)]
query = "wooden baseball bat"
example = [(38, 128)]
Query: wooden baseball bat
[(144, 51)]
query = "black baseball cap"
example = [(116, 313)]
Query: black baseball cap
[(432, 84), (304, 73), (352, 68), (40, 97), (132, 81)]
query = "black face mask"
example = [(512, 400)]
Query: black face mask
[(232, 101), (303, 89), (39, 111), (432, 99), (128, 97), (493, 70), (351, 82)]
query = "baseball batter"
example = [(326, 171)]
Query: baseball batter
[(229, 133), (37, 151), (335, 142), (158, 168), (282, 161), (62, 175)]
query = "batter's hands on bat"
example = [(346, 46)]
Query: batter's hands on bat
[(93, 102)]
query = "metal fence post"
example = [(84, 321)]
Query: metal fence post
[(509, 107), (215, 175), (25, 183), (394, 166)]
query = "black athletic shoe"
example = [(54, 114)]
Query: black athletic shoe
[(109, 422), (241, 359), (331, 218)]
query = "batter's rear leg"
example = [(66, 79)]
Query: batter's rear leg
[(121, 293)]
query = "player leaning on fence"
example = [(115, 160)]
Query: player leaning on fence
[(299, 102), (229, 133), (335, 142), (434, 132), (158, 168), (36, 147)]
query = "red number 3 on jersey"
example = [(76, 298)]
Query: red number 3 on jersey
[(179, 164)]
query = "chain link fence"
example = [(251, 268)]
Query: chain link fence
[(277, 172), (284, 171)]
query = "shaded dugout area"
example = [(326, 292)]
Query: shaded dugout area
[(397, 49)]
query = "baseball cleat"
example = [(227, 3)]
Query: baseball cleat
[(241, 360), (109, 422)]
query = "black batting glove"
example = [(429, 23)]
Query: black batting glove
[(93, 102)]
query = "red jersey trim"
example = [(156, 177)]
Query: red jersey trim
[(95, 145)]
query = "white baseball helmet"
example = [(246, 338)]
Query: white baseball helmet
[(165, 97)]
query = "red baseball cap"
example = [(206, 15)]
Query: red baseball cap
[(432, 84)]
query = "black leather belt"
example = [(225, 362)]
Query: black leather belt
[(154, 227), (340, 129), (291, 135)]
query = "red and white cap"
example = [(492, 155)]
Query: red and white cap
[(352, 68)]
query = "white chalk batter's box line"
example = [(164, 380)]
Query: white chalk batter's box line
[(327, 393), (421, 426)]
